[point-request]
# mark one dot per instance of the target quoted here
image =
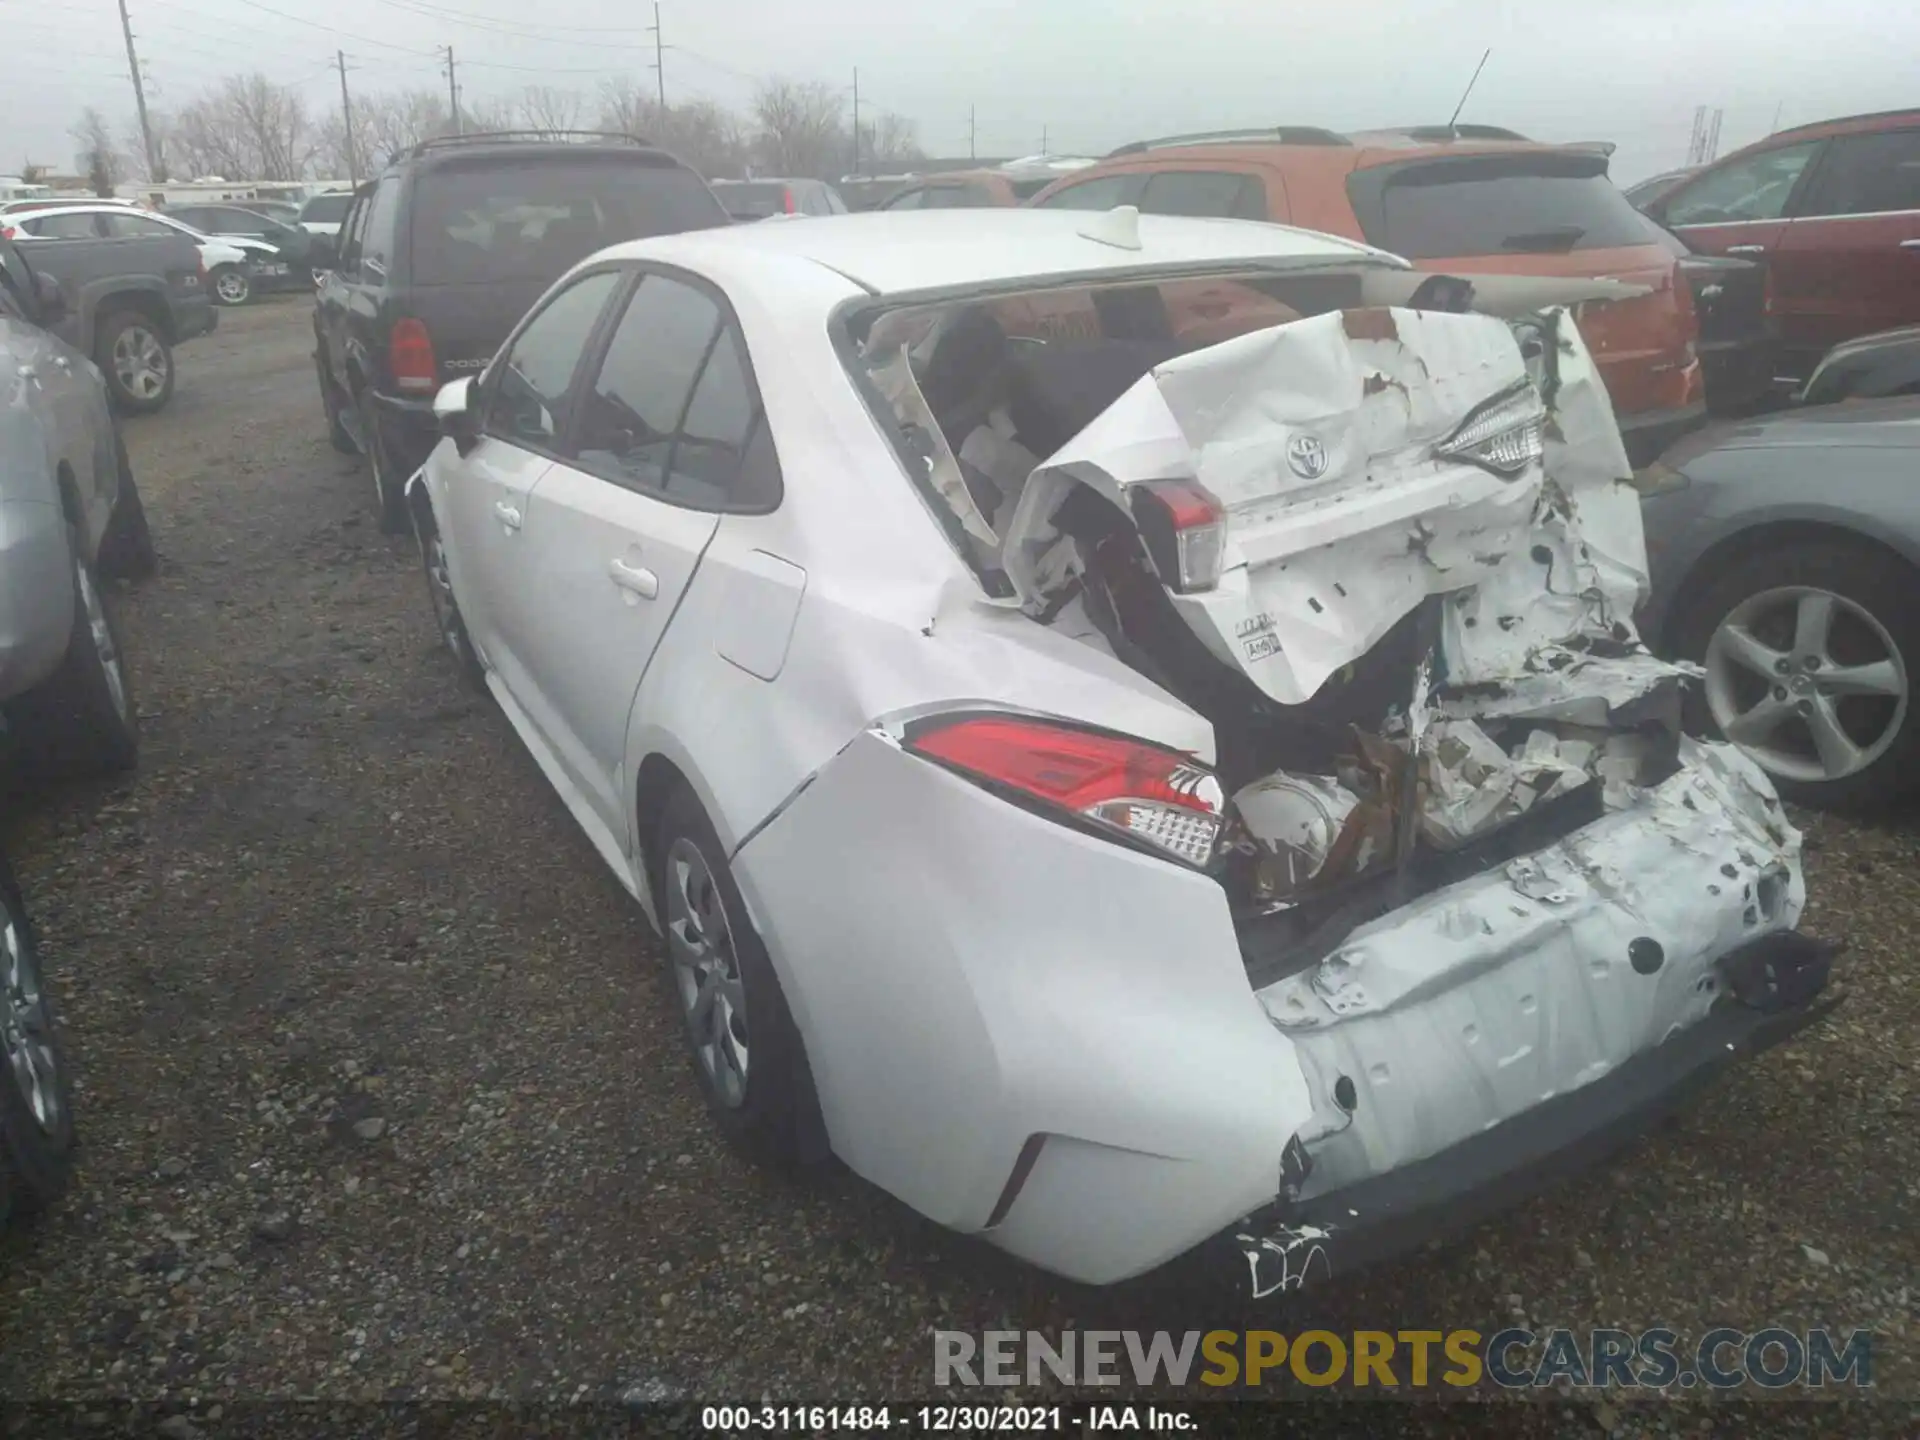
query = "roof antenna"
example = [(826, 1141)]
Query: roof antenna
[(1454, 119)]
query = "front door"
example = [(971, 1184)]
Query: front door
[(523, 405)]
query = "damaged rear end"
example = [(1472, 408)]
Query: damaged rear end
[(1498, 906)]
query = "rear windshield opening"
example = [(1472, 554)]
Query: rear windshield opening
[(530, 220), (749, 201), (326, 209), (979, 391), (1540, 204)]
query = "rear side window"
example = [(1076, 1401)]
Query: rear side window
[(129, 227), (956, 197), (476, 223), (377, 234), (1867, 175), (532, 391), (1102, 193), (1539, 203), (1216, 193)]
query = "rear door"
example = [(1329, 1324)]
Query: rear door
[(664, 443), (332, 295), (487, 234), (524, 401), (1849, 262)]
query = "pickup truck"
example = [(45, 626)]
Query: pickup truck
[(128, 303)]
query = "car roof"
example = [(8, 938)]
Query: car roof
[(897, 251)]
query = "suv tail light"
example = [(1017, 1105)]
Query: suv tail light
[(1185, 530), (1157, 797), (9, 232), (786, 198), (410, 356)]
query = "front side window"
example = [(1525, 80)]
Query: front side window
[(1756, 188), (62, 227), (533, 386), (1867, 175), (135, 227)]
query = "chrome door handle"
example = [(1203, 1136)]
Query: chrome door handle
[(1910, 244), (1746, 249), (508, 515), (635, 578)]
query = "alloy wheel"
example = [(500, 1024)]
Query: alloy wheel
[(140, 362), (706, 972), (231, 287), (26, 1029), (1807, 682)]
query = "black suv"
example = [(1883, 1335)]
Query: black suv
[(441, 255)]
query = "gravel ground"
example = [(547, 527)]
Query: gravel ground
[(380, 1092)]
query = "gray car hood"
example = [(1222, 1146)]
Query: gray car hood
[(1891, 424)]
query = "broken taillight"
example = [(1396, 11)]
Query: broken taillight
[(1158, 797), (1505, 434), (410, 356), (1185, 530)]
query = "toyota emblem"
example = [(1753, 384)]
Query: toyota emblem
[(1307, 457)]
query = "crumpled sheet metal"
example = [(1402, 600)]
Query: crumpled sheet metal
[(1319, 569), (1476, 1001)]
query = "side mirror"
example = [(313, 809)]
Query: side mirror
[(453, 408), (52, 299)]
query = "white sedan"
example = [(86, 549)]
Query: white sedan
[(1130, 727)]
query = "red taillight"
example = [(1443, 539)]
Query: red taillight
[(8, 232), (1185, 530), (1160, 797), (787, 198), (410, 356)]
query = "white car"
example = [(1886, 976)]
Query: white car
[(1132, 731), (231, 262)]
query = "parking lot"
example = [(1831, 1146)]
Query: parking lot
[(380, 1093)]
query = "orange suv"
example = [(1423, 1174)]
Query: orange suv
[(1463, 199)]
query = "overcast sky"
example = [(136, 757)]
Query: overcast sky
[(1089, 74)]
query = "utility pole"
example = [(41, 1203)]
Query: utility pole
[(453, 95), (970, 151), (659, 68), (856, 119), (155, 170), (1043, 140), (346, 117)]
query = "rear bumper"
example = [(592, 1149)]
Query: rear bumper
[(1292, 1245), (193, 316), (1649, 433), (408, 430), (1739, 373)]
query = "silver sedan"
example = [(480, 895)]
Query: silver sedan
[(1785, 558)]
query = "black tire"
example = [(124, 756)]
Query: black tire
[(134, 355), (126, 550), (446, 606), (82, 718), (230, 285), (36, 1142), (390, 502), (766, 1119), (1862, 575)]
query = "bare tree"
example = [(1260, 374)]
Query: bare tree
[(547, 109), (397, 121), (333, 159), (889, 140), (706, 136), (495, 114), (246, 128), (800, 129), (98, 151)]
